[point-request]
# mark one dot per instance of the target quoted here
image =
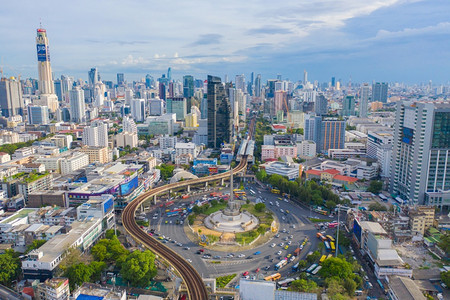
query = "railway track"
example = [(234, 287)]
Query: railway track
[(195, 286)]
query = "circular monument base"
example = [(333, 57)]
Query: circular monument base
[(226, 222)]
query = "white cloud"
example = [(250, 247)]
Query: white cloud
[(443, 27), (132, 61)]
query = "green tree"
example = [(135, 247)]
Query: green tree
[(9, 267), (110, 233), (343, 239), (349, 286), (100, 252), (375, 186), (445, 277), (139, 268), (330, 204), (166, 171), (445, 242), (35, 245), (78, 274), (302, 285), (97, 268), (313, 257), (260, 207), (377, 207), (334, 288), (336, 267)]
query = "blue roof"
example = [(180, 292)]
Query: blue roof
[(88, 297)]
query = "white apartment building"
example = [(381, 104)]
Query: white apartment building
[(51, 163), (127, 139), (77, 161), (24, 152), (306, 149), (186, 148), (138, 109), (129, 125), (54, 289), (96, 134), (379, 146), (167, 141)]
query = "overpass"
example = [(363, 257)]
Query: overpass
[(195, 286)]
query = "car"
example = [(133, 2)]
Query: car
[(202, 250), (286, 200), (206, 256), (293, 226), (160, 237), (257, 253), (267, 268), (283, 218), (150, 233), (247, 277), (286, 247), (289, 243), (277, 235), (180, 245), (281, 244), (249, 257), (170, 221), (173, 241), (186, 248), (164, 241), (284, 230), (155, 218), (231, 254), (241, 255), (270, 203), (217, 257), (189, 260), (281, 210), (257, 270), (268, 256), (292, 258), (142, 227), (272, 245), (279, 252), (245, 273), (166, 222), (286, 238), (198, 252), (289, 255), (291, 236)]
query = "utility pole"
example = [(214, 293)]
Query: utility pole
[(337, 232)]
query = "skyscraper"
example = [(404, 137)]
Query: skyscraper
[(96, 134), (188, 86), (169, 73), (219, 113), (258, 85), (420, 168), (77, 105), (321, 105), (333, 81), (364, 100), (312, 128), (177, 105), (47, 96), (332, 135), (120, 78), (11, 102), (240, 83), (305, 76), (38, 115), (348, 107), (380, 91), (162, 91), (149, 81), (94, 77), (138, 109)]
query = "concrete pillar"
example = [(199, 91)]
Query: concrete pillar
[(223, 182), (206, 184), (154, 200), (189, 188)]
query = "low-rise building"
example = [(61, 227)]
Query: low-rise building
[(98, 292), (124, 139), (402, 288), (54, 289), (307, 149), (75, 162), (96, 154), (290, 170)]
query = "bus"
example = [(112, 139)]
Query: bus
[(285, 282), (321, 237), (239, 193), (275, 191), (383, 197), (314, 272), (329, 256), (327, 246), (333, 247), (321, 211), (295, 267), (331, 238), (252, 192), (273, 277), (322, 259), (281, 264), (173, 213), (333, 225), (311, 268)]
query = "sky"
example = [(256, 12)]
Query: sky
[(363, 41)]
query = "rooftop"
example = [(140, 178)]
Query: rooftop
[(405, 288), (373, 227)]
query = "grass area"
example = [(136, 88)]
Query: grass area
[(212, 238), (29, 177), (222, 281), (316, 220), (265, 218), (216, 262), (215, 208)]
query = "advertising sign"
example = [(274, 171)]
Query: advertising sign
[(108, 205), (41, 52), (128, 187)]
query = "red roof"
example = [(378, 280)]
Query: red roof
[(271, 159), (28, 291), (331, 171), (278, 126), (314, 172), (345, 178)]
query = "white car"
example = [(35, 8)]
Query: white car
[(279, 252), (189, 260), (281, 210), (289, 242), (241, 255), (283, 218), (270, 203), (281, 244), (286, 200), (273, 245)]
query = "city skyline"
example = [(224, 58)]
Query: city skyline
[(344, 39)]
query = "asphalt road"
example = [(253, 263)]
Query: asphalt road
[(297, 216)]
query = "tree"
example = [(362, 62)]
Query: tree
[(100, 252), (349, 286), (97, 268), (336, 267), (35, 245), (110, 233), (260, 207), (375, 186), (9, 267), (313, 257), (377, 207), (445, 277), (343, 239), (78, 274), (334, 288), (445, 242), (139, 268), (302, 285), (330, 204), (166, 171)]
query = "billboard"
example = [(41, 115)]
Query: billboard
[(108, 205), (42, 52), (357, 231), (128, 187), (407, 135)]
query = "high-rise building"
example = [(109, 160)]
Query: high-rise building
[(219, 113), (96, 134), (120, 79), (156, 107), (379, 146), (177, 105), (258, 85), (169, 73), (420, 169), (380, 91), (38, 115), (240, 82), (128, 125), (188, 86), (77, 105), (280, 102), (305, 77), (348, 107), (364, 100), (312, 128), (11, 101), (321, 105), (149, 81), (94, 77), (162, 91), (333, 81), (332, 134), (138, 109), (47, 96)]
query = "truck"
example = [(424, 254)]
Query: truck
[(185, 196), (297, 252), (281, 264)]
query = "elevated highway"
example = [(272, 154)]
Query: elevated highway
[(195, 286)]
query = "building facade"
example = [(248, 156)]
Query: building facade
[(219, 113)]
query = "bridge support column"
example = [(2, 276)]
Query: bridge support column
[(222, 182), (154, 200), (189, 188), (206, 184), (170, 193)]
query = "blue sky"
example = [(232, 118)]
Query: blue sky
[(383, 40)]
